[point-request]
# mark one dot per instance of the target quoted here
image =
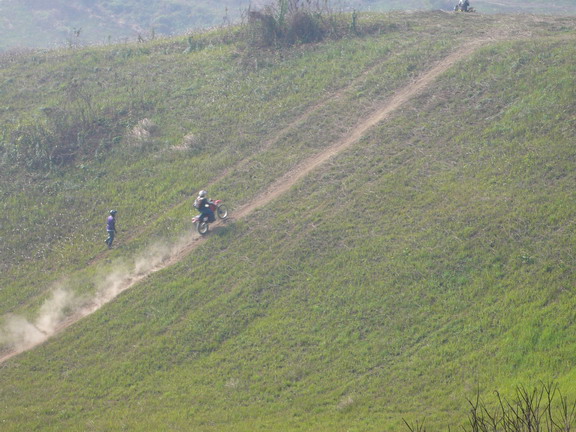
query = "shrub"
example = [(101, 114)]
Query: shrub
[(288, 22), (542, 409), (304, 27)]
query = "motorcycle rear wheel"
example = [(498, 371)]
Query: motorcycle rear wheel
[(202, 228), (222, 211)]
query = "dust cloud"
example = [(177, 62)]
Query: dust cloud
[(22, 334), (64, 305)]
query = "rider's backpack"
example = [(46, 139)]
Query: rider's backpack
[(197, 203)]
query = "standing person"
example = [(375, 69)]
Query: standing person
[(111, 228), (202, 204)]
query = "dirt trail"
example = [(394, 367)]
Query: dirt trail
[(285, 182), (175, 253)]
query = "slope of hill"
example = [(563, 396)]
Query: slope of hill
[(428, 256)]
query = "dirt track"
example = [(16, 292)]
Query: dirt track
[(280, 186)]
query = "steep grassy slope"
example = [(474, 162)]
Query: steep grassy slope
[(224, 103), (433, 258)]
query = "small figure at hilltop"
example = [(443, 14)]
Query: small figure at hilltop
[(111, 228), (463, 6), (202, 204)]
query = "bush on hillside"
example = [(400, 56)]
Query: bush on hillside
[(41, 145), (59, 138), (76, 130), (541, 409), (288, 22)]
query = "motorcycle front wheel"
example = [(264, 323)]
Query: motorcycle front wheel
[(202, 227), (222, 211)]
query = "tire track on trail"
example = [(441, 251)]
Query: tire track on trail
[(169, 255)]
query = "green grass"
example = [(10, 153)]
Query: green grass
[(431, 260), (216, 120)]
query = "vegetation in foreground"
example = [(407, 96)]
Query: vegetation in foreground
[(540, 408), (432, 260)]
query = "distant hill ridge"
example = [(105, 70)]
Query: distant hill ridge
[(42, 24)]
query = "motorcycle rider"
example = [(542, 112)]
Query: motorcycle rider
[(202, 204)]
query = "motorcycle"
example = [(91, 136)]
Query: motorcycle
[(460, 8), (201, 221)]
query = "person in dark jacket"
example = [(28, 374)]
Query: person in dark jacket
[(202, 204), (111, 228)]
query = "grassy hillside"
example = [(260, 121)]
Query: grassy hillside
[(432, 259)]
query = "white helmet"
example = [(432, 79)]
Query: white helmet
[(202, 193)]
